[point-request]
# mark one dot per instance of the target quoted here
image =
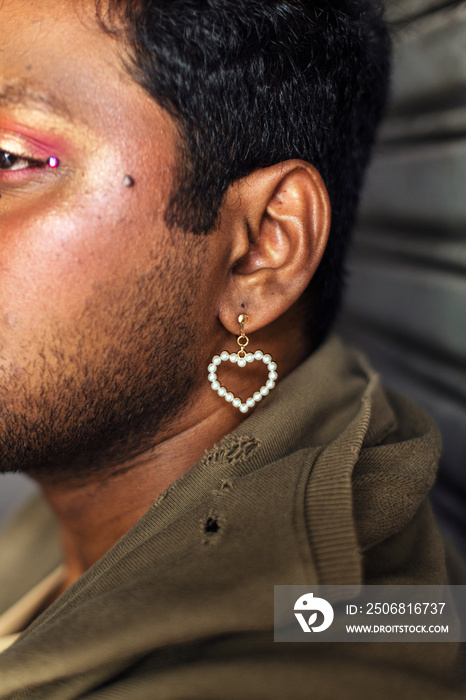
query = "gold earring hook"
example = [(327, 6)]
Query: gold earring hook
[(242, 319), (242, 339)]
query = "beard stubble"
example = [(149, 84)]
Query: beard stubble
[(84, 406)]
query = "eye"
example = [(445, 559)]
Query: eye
[(11, 161)]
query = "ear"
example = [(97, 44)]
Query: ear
[(279, 222)]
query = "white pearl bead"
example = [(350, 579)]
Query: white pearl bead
[(229, 397), (216, 360), (270, 384), (273, 375), (222, 391), (267, 359), (272, 366), (233, 357), (236, 402), (241, 362), (250, 402), (224, 356), (212, 377), (215, 386), (258, 355), (249, 357), (243, 408), (257, 396), (211, 368), (264, 391)]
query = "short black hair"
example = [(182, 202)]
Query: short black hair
[(251, 83)]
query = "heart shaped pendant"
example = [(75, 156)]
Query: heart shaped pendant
[(241, 359)]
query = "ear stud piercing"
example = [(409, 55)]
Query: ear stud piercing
[(241, 358)]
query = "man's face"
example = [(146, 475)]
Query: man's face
[(99, 302)]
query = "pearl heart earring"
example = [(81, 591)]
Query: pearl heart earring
[(241, 359)]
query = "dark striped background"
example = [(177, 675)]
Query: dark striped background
[(406, 300)]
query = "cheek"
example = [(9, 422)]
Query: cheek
[(53, 262)]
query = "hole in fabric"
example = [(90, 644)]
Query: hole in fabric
[(211, 526)]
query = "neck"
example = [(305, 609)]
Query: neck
[(95, 514)]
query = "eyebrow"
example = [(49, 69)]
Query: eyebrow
[(19, 93)]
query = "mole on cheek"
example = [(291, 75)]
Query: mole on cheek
[(128, 181)]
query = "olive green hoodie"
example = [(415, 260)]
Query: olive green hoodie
[(325, 482)]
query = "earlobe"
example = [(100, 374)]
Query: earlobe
[(282, 232)]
